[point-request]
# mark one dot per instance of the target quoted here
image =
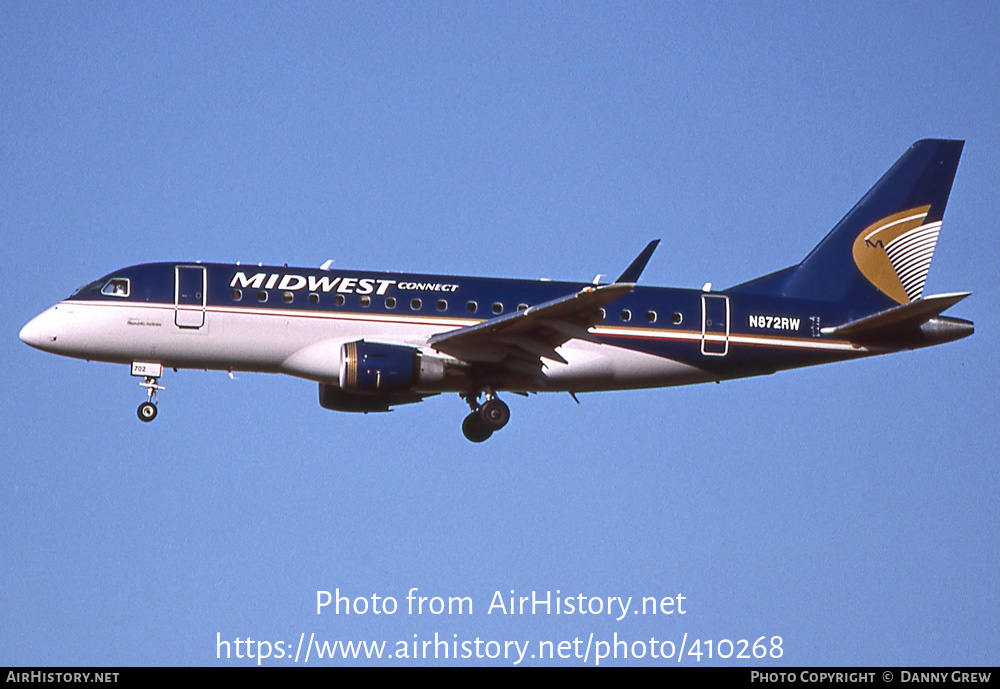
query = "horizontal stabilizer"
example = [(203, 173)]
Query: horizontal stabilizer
[(908, 316)]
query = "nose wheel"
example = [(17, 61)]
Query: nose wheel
[(147, 410), (486, 418)]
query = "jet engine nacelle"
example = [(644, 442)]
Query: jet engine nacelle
[(332, 397), (373, 367)]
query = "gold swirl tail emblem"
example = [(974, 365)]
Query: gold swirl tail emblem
[(895, 253)]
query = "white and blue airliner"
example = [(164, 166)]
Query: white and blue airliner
[(374, 341)]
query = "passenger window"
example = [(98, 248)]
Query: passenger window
[(313, 298), (626, 315), (651, 316), (415, 304), (522, 307), (442, 305), (116, 287), (261, 296), (472, 307), (287, 297), (390, 302), (497, 307), (237, 295), (339, 300), (677, 318)]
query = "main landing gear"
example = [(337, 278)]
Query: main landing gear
[(147, 410), (485, 418)]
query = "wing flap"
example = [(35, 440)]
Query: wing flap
[(533, 347)]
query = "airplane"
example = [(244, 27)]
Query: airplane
[(374, 341)]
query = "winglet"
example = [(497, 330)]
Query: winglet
[(634, 270)]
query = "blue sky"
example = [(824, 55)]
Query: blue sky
[(850, 509)]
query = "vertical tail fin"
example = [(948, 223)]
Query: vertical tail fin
[(878, 255)]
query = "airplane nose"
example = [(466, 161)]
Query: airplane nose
[(38, 332)]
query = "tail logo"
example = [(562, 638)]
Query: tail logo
[(895, 253)]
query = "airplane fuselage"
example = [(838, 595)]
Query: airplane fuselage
[(294, 320)]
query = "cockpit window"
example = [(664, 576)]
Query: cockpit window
[(116, 287), (92, 287)]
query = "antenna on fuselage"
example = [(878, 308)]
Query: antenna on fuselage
[(326, 264)]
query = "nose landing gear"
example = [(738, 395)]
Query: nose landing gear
[(147, 410), (485, 418), (150, 374)]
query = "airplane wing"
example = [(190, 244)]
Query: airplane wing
[(517, 342)]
